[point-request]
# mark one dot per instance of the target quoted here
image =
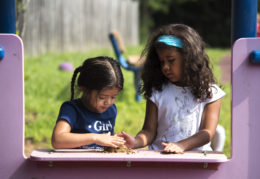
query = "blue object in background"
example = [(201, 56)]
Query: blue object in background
[(243, 19), (7, 16), (255, 57), (123, 62), (2, 53)]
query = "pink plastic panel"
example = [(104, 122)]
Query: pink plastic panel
[(11, 104), (246, 108), (138, 155), (245, 160)]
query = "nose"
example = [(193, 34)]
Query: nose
[(108, 101), (165, 67)]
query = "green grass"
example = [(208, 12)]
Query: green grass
[(225, 113), (46, 87)]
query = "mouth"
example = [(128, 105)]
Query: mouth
[(104, 108), (168, 75)]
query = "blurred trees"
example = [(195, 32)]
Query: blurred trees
[(211, 18), (20, 14), (147, 9)]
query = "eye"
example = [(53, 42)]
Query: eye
[(101, 97), (171, 60)]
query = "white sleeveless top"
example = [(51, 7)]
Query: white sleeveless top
[(179, 114)]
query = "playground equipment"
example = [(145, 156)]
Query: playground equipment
[(244, 15), (255, 57), (244, 159), (7, 17), (136, 69), (2, 53)]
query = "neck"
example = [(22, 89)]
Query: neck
[(86, 104), (179, 84)]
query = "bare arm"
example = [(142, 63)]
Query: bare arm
[(207, 130), (148, 133), (63, 138)]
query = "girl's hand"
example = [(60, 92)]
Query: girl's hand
[(130, 141), (173, 147), (109, 141)]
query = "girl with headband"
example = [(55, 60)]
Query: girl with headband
[(183, 100)]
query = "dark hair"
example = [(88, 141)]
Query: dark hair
[(98, 73), (196, 72)]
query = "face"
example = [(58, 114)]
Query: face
[(100, 101), (171, 63)]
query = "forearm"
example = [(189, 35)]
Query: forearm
[(72, 140), (199, 139), (143, 138), (149, 130)]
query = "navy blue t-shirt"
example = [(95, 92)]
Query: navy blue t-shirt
[(82, 120)]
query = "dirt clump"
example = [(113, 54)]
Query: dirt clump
[(120, 149)]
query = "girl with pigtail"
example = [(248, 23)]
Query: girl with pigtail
[(88, 121)]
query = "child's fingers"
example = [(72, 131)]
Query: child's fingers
[(127, 138), (118, 142), (172, 148), (113, 145), (118, 139), (119, 134), (167, 146), (123, 134), (126, 134), (164, 144)]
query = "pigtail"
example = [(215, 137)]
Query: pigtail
[(76, 71)]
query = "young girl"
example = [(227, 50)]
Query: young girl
[(183, 101), (88, 121)]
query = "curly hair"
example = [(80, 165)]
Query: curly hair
[(97, 74), (196, 71)]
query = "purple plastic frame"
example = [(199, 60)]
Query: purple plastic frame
[(244, 161)]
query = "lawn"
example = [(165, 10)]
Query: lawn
[(46, 87)]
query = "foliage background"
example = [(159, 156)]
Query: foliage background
[(211, 18)]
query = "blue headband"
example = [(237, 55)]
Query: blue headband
[(170, 40)]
